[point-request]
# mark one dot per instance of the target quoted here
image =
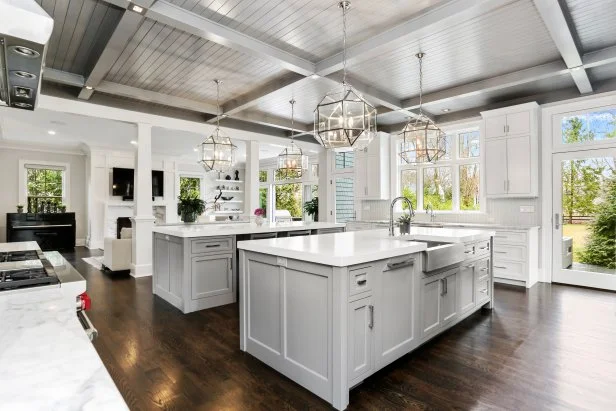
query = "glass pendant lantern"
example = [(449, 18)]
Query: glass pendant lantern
[(292, 162), (422, 140), (344, 120), (217, 152)]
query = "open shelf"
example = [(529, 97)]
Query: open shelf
[(230, 201), (229, 181), (228, 212), (229, 191)]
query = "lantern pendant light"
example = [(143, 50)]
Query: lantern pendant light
[(423, 141), (216, 153), (344, 120), (292, 162)]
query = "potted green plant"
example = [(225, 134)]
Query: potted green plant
[(20, 208), (62, 208), (405, 224), (312, 208), (259, 214), (190, 206)]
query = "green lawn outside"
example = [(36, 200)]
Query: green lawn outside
[(578, 232)]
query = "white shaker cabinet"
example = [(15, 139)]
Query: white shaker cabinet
[(439, 302), (372, 174), (510, 151), (360, 323)]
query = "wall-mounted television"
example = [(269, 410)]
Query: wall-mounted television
[(124, 183)]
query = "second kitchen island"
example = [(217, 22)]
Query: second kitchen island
[(330, 310), (195, 265)]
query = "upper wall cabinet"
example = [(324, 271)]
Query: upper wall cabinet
[(372, 174), (510, 151)]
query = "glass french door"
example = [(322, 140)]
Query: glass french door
[(584, 218)]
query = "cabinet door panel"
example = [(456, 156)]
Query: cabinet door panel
[(430, 305), (518, 123), (361, 175), (395, 313), (496, 167), (518, 165), (496, 126), (467, 287), (373, 177), (449, 300), (360, 338), (211, 275)]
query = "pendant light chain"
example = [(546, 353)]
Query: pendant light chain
[(217, 103), (420, 56), (344, 5), (292, 101)]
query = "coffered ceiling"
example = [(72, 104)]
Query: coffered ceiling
[(479, 54)]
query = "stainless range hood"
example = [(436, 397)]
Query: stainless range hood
[(25, 29)]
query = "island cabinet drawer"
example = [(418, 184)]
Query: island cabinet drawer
[(510, 252), (511, 270), (510, 237), (211, 245), (360, 280), (482, 269), (483, 290), (476, 249)]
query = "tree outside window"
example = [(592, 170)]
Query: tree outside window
[(262, 176), (190, 187), (44, 188), (409, 187), (438, 189), (469, 187)]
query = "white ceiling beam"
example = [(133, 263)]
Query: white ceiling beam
[(436, 18), (489, 85), (599, 57), (121, 35), (155, 97), (63, 77), (271, 121), (562, 34), (189, 22)]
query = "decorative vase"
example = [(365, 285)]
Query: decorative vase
[(20, 209), (259, 220), (405, 228), (189, 217)]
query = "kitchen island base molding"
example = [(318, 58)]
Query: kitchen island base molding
[(328, 328)]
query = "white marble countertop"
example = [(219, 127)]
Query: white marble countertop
[(47, 362), (191, 230), (19, 246), (344, 249)]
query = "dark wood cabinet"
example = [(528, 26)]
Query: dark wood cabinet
[(52, 231)]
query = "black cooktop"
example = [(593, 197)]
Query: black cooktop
[(26, 277), (6, 257)]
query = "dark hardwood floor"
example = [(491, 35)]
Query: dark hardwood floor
[(552, 347)]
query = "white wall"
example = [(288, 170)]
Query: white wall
[(9, 170)]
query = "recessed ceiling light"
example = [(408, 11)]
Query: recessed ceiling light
[(195, 149), (136, 9), (89, 87), (446, 110), (51, 132), (133, 142)]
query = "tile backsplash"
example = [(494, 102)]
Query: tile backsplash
[(498, 211)]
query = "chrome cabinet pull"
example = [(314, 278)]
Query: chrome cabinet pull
[(401, 264), (556, 221), (470, 266), (371, 323), (212, 245), (442, 287), (446, 287), (361, 282), (483, 269), (501, 267)]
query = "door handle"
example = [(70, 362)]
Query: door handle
[(371, 323), (556, 221)]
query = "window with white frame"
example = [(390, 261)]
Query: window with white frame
[(453, 182), (45, 186), (284, 194)]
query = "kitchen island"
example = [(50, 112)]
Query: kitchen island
[(195, 265), (330, 310)]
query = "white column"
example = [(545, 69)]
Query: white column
[(251, 193), (143, 219)]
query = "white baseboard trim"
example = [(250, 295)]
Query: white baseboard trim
[(80, 242), (143, 270), (95, 245)]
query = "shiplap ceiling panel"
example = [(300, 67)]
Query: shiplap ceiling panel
[(307, 94), (602, 73), (311, 29), (81, 30), (505, 40), (169, 61), (595, 22)]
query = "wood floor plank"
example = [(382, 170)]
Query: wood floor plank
[(550, 347)]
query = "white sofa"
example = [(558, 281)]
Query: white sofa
[(119, 252)]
